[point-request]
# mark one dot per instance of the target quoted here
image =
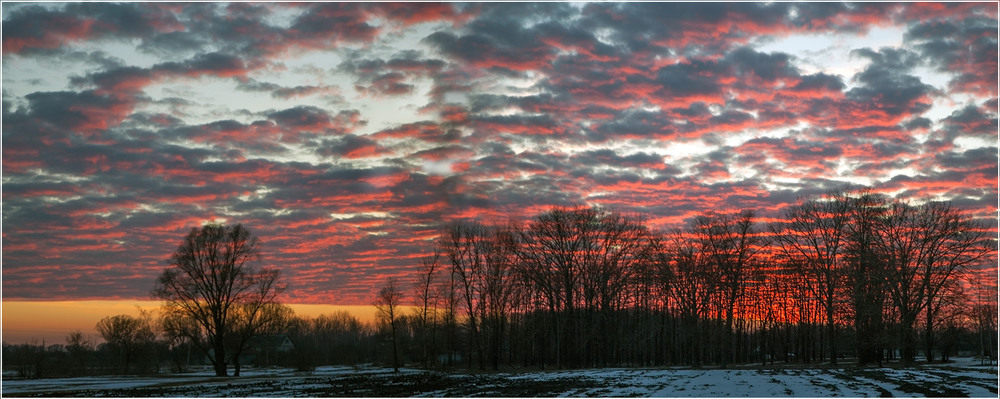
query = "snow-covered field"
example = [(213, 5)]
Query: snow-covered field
[(962, 378)]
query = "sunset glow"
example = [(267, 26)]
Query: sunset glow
[(344, 135), (21, 321)]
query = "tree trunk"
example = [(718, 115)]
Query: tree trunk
[(929, 334), (831, 334), (423, 334), (727, 341), (395, 352), (495, 337), (908, 342), (219, 360)]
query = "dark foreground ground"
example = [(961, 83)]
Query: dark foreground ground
[(965, 378)]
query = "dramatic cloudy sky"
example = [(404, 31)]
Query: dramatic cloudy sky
[(344, 134)]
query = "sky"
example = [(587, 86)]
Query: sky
[(22, 322), (344, 134)]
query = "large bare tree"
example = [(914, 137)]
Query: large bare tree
[(925, 247), (463, 245), (613, 258), (553, 256), (731, 244), (691, 283), (813, 237), (499, 248), (866, 274), (483, 260), (212, 280)]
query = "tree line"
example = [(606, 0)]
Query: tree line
[(849, 275)]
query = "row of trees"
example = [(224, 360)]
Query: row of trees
[(131, 344), (144, 344), (341, 339), (849, 274)]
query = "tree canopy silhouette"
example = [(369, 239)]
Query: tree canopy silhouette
[(213, 293)]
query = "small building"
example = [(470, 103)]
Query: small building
[(265, 350), (278, 343)]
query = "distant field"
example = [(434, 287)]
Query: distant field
[(964, 378)]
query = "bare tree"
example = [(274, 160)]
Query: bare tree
[(985, 316), (449, 295), (387, 303), (656, 282), (692, 285), (813, 237), (463, 245), (210, 278), (961, 243), (540, 275), (126, 334), (555, 245), (179, 331), (612, 261), (731, 243), (253, 318), (867, 273), (926, 246), (500, 248), (427, 298), (78, 348)]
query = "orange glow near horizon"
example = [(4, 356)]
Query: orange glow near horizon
[(51, 321)]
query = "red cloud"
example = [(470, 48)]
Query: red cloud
[(53, 32), (414, 13)]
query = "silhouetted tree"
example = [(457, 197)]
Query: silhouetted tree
[(480, 263), (985, 316), (459, 246), (211, 277), (125, 334), (693, 285), (427, 299), (925, 247), (312, 343), (178, 330), (79, 349), (612, 261), (813, 236), (944, 314), (387, 303), (451, 298), (731, 243), (255, 317), (339, 337), (867, 274), (555, 244), (499, 248)]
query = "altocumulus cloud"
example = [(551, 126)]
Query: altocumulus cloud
[(345, 134)]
